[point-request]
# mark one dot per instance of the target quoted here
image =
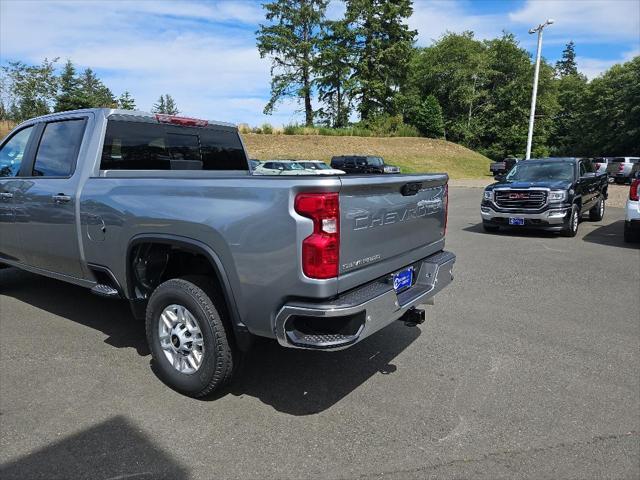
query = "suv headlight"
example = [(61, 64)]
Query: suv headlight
[(488, 195), (557, 196)]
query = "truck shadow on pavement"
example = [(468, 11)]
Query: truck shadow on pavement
[(297, 382), (111, 317), (302, 382), (112, 449), (611, 235)]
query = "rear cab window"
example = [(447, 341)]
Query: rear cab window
[(131, 145), (58, 148)]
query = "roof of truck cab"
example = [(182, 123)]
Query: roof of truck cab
[(131, 114)]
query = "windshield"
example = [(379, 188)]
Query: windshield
[(375, 161), (528, 171)]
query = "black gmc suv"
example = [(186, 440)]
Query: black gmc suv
[(547, 193), (359, 164)]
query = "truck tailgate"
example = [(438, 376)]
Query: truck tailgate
[(388, 222)]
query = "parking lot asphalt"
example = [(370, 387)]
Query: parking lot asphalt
[(527, 367)]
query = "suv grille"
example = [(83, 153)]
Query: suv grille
[(529, 199)]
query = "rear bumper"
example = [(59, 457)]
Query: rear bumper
[(352, 317), (551, 219), (632, 211)]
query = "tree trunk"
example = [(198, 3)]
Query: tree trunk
[(308, 111)]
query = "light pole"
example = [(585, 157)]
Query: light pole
[(534, 94)]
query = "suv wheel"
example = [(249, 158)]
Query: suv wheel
[(597, 212), (571, 230), (189, 343)]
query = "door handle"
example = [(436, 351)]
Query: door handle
[(61, 198), (6, 195)]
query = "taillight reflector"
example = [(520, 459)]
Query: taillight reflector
[(634, 191), (185, 121), (321, 249)]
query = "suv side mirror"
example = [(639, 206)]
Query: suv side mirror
[(499, 178)]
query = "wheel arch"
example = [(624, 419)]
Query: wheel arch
[(242, 336)]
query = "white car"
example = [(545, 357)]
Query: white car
[(632, 212), (280, 167), (318, 167)]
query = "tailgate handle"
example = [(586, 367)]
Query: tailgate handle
[(410, 189)]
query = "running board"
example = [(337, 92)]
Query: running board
[(106, 291)]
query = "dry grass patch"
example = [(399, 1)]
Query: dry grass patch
[(412, 154)]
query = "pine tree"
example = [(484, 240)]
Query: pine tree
[(126, 101), (170, 105), (291, 41), (567, 64), (335, 73), (159, 106), (69, 96), (384, 46), (93, 92), (165, 105)]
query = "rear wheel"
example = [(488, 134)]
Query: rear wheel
[(490, 228), (571, 229), (189, 343), (597, 212)]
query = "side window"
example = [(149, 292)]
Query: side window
[(588, 165), (152, 146), (58, 149), (12, 152), (268, 165), (222, 150), (582, 169)]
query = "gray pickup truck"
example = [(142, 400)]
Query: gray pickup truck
[(162, 211)]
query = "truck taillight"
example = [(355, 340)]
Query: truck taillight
[(634, 191), (597, 166), (184, 121), (620, 167), (320, 250), (446, 207)]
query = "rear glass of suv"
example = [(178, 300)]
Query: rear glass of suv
[(155, 146)]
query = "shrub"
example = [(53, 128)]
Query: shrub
[(266, 128)]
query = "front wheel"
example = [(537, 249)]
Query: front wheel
[(597, 212), (189, 343), (571, 229)]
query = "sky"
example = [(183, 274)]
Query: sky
[(204, 53)]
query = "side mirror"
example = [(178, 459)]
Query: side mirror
[(499, 178)]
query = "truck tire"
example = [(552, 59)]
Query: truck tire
[(189, 343), (571, 230), (597, 212), (490, 228)]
